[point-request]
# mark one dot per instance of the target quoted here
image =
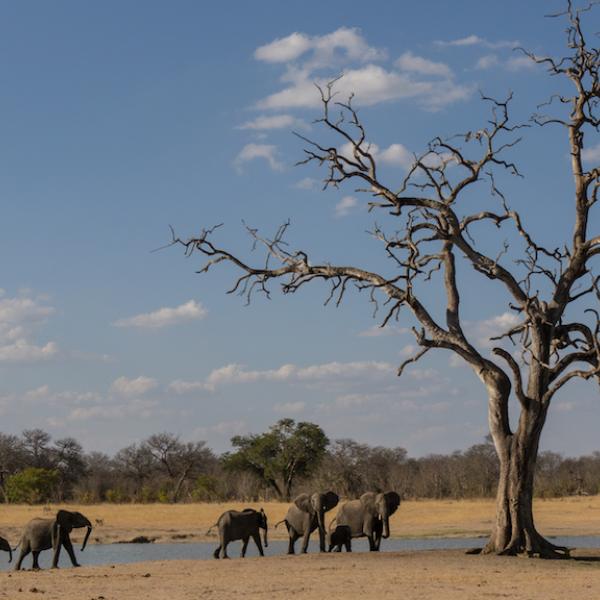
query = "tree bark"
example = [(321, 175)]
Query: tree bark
[(514, 531)]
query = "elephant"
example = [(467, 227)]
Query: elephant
[(369, 516), (307, 514), (241, 525), (43, 534), (340, 536), (4, 545)]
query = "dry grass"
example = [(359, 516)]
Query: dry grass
[(568, 516)]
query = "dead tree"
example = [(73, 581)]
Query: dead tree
[(434, 231)]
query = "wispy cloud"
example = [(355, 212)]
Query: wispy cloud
[(133, 387), (290, 408), (417, 64), (345, 206), (250, 152), (164, 317), (475, 40), (272, 122), (591, 154), (239, 374)]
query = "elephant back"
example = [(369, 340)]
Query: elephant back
[(352, 515)]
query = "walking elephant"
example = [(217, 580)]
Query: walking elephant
[(43, 534), (4, 545), (307, 514), (369, 516), (241, 525)]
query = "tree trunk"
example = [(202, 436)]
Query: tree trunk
[(514, 531)]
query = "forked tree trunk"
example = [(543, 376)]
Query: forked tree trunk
[(514, 530)]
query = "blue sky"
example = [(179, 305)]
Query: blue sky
[(119, 119)]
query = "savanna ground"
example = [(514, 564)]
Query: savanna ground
[(409, 575)]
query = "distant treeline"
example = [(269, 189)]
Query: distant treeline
[(287, 459)]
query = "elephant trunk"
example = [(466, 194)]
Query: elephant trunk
[(85, 539), (321, 524), (9, 554), (265, 540), (386, 526)]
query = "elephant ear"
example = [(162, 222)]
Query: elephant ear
[(393, 501), (303, 502), (368, 500), (330, 500), (65, 519)]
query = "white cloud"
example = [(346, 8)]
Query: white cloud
[(323, 48), (290, 408), (238, 374), (38, 393), (487, 62), (492, 327), (591, 154), (133, 387), (17, 317), (371, 85), (223, 428), (520, 63), (475, 40), (250, 152), (397, 155), (163, 317), (345, 206), (417, 64), (307, 183), (271, 122), (394, 155)]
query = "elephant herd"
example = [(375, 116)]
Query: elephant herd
[(366, 517)]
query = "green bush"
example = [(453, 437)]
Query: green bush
[(32, 485)]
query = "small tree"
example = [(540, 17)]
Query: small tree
[(436, 227), (279, 457)]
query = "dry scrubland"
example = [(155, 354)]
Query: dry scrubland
[(451, 575), (189, 522)]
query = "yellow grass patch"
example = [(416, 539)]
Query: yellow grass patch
[(425, 518)]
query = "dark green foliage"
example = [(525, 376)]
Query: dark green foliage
[(285, 453)]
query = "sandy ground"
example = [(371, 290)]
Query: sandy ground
[(448, 575), (189, 522)]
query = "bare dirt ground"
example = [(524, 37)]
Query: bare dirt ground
[(449, 575), (189, 522)]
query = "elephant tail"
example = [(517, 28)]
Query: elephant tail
[(211, 528), (279, 523)]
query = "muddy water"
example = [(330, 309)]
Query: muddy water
[(108, 554)]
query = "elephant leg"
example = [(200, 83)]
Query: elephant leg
[(24, 552), (293, 537), (305, 540), (256, 538), (69, 548), (224, 549), (36, 564), (347, 544), (371, 543), (244, 546), (217, 552), (55, 557)]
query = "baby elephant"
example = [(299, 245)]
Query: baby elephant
[(241, 525), (340, 536)]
